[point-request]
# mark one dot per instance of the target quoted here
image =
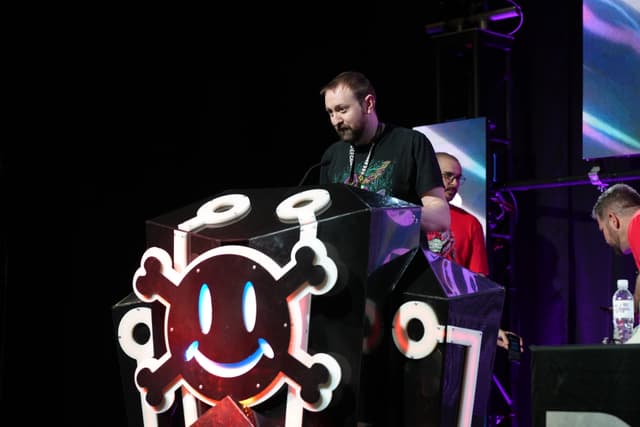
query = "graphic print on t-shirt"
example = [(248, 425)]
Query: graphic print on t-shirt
[(377, 177)]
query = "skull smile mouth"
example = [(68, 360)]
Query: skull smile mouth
[(230, 370)]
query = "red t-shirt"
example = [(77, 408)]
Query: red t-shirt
[(633, 237), (469, 248)]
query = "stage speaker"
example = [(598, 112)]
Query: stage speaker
[(585, 385), (267, 298)]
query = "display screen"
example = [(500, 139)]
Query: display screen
[(610, 78), (467, 141)]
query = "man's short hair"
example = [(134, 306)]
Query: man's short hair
[(618, 198)]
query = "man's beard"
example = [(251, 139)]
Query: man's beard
[(349, 134)]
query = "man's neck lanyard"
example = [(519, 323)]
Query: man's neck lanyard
[(352, 154)]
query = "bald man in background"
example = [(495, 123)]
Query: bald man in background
[(468, 249)]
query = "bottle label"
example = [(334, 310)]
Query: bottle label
[(623, 309)]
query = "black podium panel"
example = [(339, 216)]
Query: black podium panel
[(312, 263), (434, 364), (585, 385)]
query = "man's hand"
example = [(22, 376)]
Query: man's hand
[(510, 342), (440, 243), (435, 211)]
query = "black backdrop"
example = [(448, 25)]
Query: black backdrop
[(174, 107)]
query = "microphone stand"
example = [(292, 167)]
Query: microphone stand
[(306, 174)]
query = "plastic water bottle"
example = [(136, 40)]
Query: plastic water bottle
[(623, 315)]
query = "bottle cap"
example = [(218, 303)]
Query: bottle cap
[(623, 284)]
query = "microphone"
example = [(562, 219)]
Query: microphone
[(306, 174)]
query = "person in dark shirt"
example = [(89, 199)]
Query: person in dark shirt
[(380, 157)]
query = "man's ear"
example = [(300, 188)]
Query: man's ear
[(613, 219), (369, 104)]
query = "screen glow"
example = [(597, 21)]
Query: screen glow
[(610, 78)]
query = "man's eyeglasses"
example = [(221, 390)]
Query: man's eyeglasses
[(449, 177)]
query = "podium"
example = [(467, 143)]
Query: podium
[(298, 306), (585, 384)]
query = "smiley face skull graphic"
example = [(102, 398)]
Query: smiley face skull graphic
[(232, 326)]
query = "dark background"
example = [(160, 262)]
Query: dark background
[(171, 107)]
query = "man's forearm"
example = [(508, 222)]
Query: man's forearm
[(435, 214)]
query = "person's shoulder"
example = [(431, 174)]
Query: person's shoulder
[(405, 134), (403, 130), (462, 212), (457, 209), (634, 222), (335, 146)]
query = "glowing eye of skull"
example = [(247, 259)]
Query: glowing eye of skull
[(249, 310), (205, 309), (249, 314)]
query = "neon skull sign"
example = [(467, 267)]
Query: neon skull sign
[(234, 325)]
